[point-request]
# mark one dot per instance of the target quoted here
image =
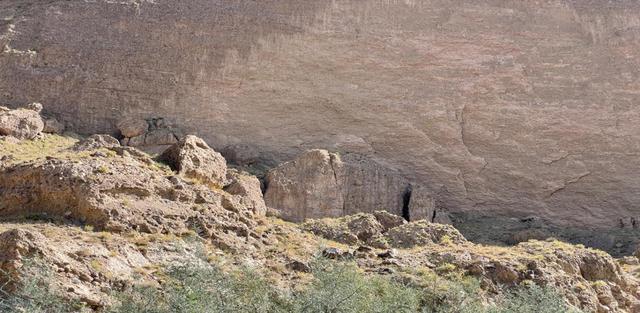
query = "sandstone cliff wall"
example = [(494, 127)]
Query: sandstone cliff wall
[(511, 108)]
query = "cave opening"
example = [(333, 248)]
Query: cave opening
[(406, 199)]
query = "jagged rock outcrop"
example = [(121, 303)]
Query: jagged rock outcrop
[(382, 230), (307, 187), (320, 184), (23, 123), (118, 189), (194, 159)]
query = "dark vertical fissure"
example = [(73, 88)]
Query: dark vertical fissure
[(406, 198)]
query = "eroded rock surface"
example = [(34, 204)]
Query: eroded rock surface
[(510, 108), (117, 189), (320, 184), (193, 158), (21, 123)]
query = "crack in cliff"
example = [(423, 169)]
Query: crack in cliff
[(568, 183), (332, 162)]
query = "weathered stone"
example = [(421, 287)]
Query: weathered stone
[(468, 100), (248, 187), (319, 184), (388, 220), (421, 233), (160, 137), (193, 158), (307, 187), (132, 127), (34, 106), (422, 204), (21, 123), (96, 142), (136, 141), (52, 126)]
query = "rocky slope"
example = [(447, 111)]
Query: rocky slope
[(499, 108), (105, 217)]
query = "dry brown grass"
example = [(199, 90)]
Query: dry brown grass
[(32, 150)]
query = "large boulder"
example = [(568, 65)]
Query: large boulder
[(308, 187), (131, 127), (21, 123), (192, 157), (248, 188)]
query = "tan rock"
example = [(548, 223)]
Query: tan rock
[(21, 123), (388, 220), (136, 141), (193, 158), (319, 184), (422, 233), (248, 187), (124, 192), (308, 187), (97, 141), (132, 127)]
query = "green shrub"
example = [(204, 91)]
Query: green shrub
[(34, 293), (533, 299), (336, 287), (452, 294), (339, 288), (196, 289)]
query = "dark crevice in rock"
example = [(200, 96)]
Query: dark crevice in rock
[(406, 199)]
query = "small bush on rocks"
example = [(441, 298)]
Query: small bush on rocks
[(34, 293), (336, 287)]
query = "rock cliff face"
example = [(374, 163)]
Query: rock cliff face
[(502, 108)]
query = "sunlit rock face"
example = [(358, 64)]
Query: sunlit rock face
[(506, 108)]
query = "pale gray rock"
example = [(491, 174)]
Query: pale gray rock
[(53, 126), (160, 137), (193, 158), (20, 123)]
